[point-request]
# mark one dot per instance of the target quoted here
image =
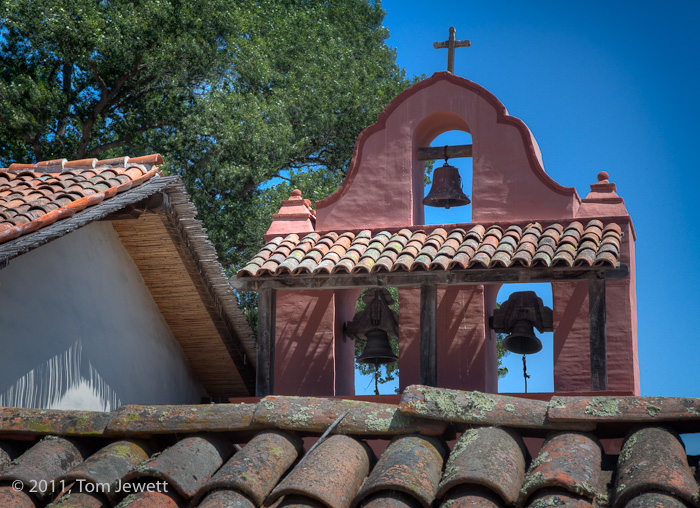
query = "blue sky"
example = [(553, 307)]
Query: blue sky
[(603, 86)]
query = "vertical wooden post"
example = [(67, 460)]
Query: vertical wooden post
[(428, 335), (598, 337), (265, 382)]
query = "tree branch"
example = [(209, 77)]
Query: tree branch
[(122, 141), (98, 78), (67, 88), (107, 96)]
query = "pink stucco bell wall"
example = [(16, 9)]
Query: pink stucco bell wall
[(384, 189)]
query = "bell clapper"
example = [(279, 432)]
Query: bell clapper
[(525, 374)]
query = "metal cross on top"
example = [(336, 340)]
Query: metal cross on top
[(451, 44)]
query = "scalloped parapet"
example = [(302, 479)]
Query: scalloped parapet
[(384, 186)]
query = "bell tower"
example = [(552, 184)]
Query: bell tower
[(525, 228)]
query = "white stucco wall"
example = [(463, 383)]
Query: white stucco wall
[(79, 330)]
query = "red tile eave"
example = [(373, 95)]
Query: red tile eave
[(56, 186), (436, 248), (619, 219)]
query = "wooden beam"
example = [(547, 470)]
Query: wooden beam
[(469, 276), (433, 153), (428, 335), (598, 338), (265, 380)]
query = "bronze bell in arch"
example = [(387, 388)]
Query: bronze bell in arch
[(447, 188), (378, 349), (522, 339), (377, 321)]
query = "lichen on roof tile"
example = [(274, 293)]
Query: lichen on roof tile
[(332, 473), (468, 496), (411, 464), (47, 460), (569, 461), (188, 464), (654, 459), (256, 469), (489, 457)]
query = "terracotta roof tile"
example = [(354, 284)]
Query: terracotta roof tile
[(59, 184), (80, 500), (297, 502), (134, 419), (256, 469), (653, 459), (486, 457), (390, 499), (477, 408), (109, 465), (153, 500), (558, 498), (485, 468), (651, 410), (15, 499), (655, 500), (470, 497), (226, 499), (363, 418), (5, 455), (43, 462), (188, 464), (331, 474), (567, 461), (412, 464), (439, 249)]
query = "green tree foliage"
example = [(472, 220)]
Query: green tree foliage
[(500, 353), (246, 99)]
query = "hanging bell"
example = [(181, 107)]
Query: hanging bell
[(522, 339), (377, 350), (447, 188)]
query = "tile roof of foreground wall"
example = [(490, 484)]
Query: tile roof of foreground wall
[(497, 246), (445, 448)]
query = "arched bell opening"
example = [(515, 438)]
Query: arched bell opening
[(443, 163), (523, 338), (450, 190)]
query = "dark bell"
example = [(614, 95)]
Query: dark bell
[(447, 189), (522, 339), (377, 350)]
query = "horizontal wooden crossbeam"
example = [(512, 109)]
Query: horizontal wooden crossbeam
[(442, 278), (432, 153)]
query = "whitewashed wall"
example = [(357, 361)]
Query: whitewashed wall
[(79, 330)]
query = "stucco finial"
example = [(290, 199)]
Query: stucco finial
[(295, 216), (604, 193)]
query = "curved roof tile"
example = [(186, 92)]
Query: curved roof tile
[(441, 249), (50, 183)]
